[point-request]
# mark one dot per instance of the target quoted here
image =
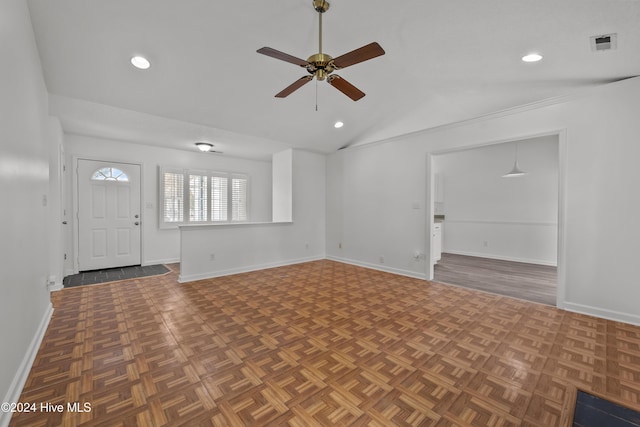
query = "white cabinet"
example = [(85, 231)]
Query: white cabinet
[(436, 242)]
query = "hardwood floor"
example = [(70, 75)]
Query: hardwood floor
[(316, 344), (537, 283)]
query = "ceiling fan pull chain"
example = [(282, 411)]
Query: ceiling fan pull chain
[(316, 95)]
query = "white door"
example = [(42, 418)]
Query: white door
[(108, 214)]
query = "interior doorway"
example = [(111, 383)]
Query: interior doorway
[(514, 222), (109, 214)]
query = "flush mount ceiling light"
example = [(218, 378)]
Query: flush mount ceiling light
[(532, 57), (338, 124), (140, 62), (516, 171), (204, 146)]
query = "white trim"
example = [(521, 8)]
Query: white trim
[(561, 290), (378, 267), (20, 378), (602, 313), (430, 211), (499, 222), (57, 287), (161, 261), (503, 258), (245, 269)]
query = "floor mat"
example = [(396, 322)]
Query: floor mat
[(592, 411), (112, 274)]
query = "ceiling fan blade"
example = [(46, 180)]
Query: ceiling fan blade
[(293, 87), (282, 56), (345, 87), (364, 53)]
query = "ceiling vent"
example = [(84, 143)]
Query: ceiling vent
[(604, 42)]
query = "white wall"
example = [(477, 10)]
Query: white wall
[(163, 245), (282, 182), (504, 218), (24, 181), (599, 233), (247, 247)]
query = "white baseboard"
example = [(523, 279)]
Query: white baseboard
[(603, 313), (58, 286), (161, 261), (502, 258), (20, 378), (379, 267), (246, 269)]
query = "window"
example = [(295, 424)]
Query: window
[(109, 174), (191, 196)]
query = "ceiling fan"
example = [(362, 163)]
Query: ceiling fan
[(322, 65)]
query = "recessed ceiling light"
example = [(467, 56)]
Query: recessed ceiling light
[(532, 57), (204, 146), (338, 125), (140, 62)]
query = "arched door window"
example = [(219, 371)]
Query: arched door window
[(109, 174)]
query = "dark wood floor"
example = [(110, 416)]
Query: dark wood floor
[(319, 344), (532, 282)]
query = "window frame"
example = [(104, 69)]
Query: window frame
[(186, 196)]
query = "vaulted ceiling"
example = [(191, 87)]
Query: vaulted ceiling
[(445, 61)]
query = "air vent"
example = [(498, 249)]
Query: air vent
[(604, 42)]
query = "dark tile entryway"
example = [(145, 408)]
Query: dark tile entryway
[(112, 274)]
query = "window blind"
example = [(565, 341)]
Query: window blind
[(219, 198), (198, 198), (194, 196), (173, 200)]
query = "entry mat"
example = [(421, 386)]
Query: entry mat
[(591, 411), (112, 274)]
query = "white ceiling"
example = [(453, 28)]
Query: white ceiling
[(445, 61)]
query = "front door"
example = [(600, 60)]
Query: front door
[(108, 215)]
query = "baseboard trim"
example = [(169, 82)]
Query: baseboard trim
[(19, 380), (603, 313), (502, 258), (57, 287), (161, 261), (246, 269), (378, 267)]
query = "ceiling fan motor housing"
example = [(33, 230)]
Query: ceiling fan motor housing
[(320, 65)]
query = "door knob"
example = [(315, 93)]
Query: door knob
[(136, 223)]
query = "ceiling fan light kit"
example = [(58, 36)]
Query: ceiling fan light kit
[(321, 65)]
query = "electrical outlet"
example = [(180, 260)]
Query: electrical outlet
[(381, 259), (306, 246), (485, 244), (340, 245), (212, 257)]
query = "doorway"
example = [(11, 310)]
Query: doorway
[(109, 214), (501, 227)]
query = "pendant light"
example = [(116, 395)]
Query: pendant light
[(516, 171)]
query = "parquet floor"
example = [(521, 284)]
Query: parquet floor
[(316, 344)]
